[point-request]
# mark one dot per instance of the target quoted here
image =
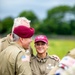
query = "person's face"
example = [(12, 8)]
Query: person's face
[(41, 47), (26, 42)]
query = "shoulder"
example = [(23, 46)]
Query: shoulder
[(55, 57), (33, 57), (50, 57), (3, 39), (71, 53), (2, 43), (12, 49), (12, 52)]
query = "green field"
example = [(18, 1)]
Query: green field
[(58, 46)]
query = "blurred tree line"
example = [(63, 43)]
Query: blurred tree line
[(59, 21)]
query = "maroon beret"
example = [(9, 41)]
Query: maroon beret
[(23, 31)]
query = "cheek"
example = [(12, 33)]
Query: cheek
[(27, 42), (47, 47), (24, 43)]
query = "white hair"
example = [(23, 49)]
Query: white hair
[(21, 21), (17, 21)]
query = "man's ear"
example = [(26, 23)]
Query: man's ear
[(21, 39)]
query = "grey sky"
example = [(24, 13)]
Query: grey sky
[(39, 7)]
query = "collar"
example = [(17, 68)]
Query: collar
[(8, 38), (20, 47), (42, 60)]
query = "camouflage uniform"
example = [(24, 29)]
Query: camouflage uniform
[(14, 61), (42, 66)]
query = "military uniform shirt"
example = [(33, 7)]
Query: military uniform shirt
[(6, 41), (14, 61), (42, 66)]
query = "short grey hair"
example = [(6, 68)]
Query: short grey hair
[(15, 37)]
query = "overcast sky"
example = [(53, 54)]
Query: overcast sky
[(39, 7)]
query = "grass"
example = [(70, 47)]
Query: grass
[(58, 47)]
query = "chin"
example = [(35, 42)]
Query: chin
[(26, 48)]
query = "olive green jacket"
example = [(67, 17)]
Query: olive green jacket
[(5, 42), (42, 66), (14, 61)]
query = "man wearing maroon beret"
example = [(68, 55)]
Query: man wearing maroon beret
[(5, 41), (14, 60)]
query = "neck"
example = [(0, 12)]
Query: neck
[(43, 55), (18, 42)]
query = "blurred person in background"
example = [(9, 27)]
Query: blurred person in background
[(71, 53), (13, 59), (42, 63), (64, 65), (4, 42), (69, 71)]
